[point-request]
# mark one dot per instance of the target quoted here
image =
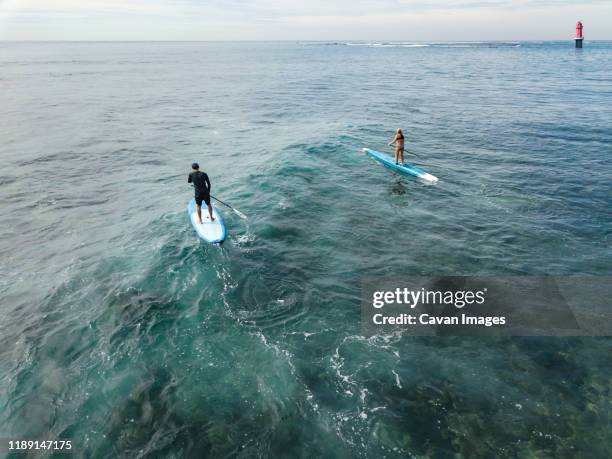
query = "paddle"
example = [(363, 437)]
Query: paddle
[(410, 152), (240, 214)]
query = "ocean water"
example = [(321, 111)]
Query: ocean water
[(120, 330)]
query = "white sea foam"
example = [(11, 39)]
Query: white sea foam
[(457, 44), (388, 44)]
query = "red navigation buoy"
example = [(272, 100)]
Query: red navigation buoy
[(579, 38)]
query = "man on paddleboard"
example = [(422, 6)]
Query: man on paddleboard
[(201, 184)]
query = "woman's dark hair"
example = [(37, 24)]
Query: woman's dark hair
[(195, 166)]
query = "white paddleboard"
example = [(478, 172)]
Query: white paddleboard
[(211, 231)]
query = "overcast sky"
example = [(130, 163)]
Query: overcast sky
[(405, 20)]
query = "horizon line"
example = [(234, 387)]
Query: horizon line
[(309, 41)]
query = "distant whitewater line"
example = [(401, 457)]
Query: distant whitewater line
[(459, 44), (388, 45)]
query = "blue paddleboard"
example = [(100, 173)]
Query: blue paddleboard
[(211, 231), (406, 168)]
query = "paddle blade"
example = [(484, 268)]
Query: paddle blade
[(240, 214)]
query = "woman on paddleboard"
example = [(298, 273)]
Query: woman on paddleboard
[(398, 140)]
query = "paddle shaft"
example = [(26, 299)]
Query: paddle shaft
[(240, 214), (410, 152), (224, 203)]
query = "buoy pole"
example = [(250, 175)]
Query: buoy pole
[(579, 38)]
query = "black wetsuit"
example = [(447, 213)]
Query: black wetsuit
[(202, 187)]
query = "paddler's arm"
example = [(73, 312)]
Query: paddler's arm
[(207, 182), (393, 141), (189, 179)]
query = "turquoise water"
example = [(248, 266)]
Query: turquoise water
[(120, 330)]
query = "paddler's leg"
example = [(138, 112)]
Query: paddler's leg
[(210, 213), (401, 155), (396, 154), (198, 201)]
